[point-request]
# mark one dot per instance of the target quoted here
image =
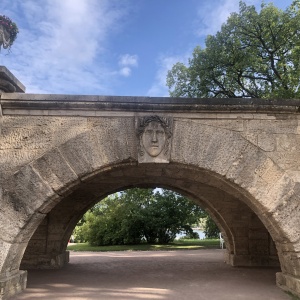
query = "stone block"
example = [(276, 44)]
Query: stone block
[(18, 221), (110, 143), (55, 170), (290, 262), (215, 150), (287, 214), (241, 245), (29, 192), (45, 261), (287, 160), (36, 246), (13, 284), (10, 263), (223, 122), (259, 247), (266, 141), (246, 170), (288, 283), (253, 261), (6, 78), (273, 126), (258, 235)]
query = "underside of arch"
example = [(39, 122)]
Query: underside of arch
[(248, 241)]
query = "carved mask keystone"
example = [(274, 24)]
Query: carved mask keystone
[(154, 139)]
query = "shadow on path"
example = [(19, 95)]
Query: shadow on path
[(176, 275)]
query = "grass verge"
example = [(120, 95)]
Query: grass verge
[(182, 244)]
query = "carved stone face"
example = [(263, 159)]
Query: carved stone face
[(154, 138)]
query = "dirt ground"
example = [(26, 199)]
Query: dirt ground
[(162, 275)]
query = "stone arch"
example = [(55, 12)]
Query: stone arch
[(201, 156)]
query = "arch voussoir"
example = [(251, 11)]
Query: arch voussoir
[(211, 150), (54, 169), (29, 192), (25, 199), (287, 214), (95, 149), (12, 280), (23, 196)]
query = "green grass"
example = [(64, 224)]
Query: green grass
[(182, 244)]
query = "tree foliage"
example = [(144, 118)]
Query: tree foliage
[(254, 55), (211, 230), (139, 214)]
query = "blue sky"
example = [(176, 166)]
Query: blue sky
[(108, 47)]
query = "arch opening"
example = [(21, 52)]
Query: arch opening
[(248, 241), (251, 238)]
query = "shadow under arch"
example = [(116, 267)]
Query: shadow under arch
[(226, 205)]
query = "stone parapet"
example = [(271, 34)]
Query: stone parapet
[(9, 83), (88, 105)]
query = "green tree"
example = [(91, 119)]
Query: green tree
[(254, 55), (78, 232), (137, 214), (211, 230), (110, 223)]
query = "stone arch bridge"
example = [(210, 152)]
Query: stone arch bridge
[(60, 154)]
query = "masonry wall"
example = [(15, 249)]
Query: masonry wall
[(242, 166), (23, 138)]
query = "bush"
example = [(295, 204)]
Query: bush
[(211, 230), (135, 215), (191, 236)]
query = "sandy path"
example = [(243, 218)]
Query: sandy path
[(176, 275)]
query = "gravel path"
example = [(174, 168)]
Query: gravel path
[(162, 275)]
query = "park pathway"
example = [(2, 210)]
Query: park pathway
[(153, 275)]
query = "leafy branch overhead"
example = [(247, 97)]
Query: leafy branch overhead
[(254, 55)]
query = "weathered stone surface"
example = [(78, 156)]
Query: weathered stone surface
[(213, 149), (90, 151), (253, 261), (30, 193), (55, 170), (60, 154), (8, 77), (288, 283), (25, 138), (10, 257), (12, 284), (45, 261)]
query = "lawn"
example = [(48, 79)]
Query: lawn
[(182, 244)]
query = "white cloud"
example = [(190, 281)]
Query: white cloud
[(61, 44), (128, 60), (126, 72), (211, 17)]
